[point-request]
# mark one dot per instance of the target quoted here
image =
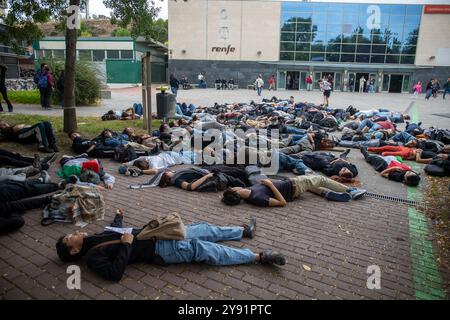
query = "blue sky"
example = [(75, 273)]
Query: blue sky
[(97, 7)]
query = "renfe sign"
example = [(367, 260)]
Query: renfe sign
[(437, 9), (224, 49)]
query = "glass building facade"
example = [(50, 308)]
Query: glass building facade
[(349, 33)]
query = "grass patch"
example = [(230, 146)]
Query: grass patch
[(24, 97), (89, 127), (437, 197)]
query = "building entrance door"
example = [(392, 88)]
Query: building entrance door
[(351, 82), (292, 80), (395, 84), (358, 86)]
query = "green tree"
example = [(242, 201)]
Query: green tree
[(121, 32), (24, 15)]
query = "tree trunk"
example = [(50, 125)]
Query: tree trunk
[(70, 115)]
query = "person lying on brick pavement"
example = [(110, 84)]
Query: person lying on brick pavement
[(110, 259), (276, 193), (16, 198)]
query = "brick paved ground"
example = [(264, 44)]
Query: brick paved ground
[(338, 241)]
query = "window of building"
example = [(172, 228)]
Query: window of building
[(126, 54), (113, 54), (340, 32), (85, 55), (39, 54), (58, 54), (98, 55)]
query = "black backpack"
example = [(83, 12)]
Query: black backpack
[(442, 135), (125, 154)]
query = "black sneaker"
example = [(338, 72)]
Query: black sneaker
[(249, 229), (50, 158), (272, 257), (37, 161)]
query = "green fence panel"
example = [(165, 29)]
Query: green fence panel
[(123, 71)]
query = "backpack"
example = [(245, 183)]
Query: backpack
[(442, 135), (43, 81), (125, 154), (169, 227)]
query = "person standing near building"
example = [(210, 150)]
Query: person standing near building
[(362, 81), (45, 85), (3, 89), (429, 90), (201, 81), (330, 80), (446, 88), (371, 88), (435, 88), (309, 82), (60, 87), (417, 88), (174, 84), (325, 87), (259, 84), (272, 83)]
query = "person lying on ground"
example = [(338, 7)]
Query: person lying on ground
[(17, 197), (389, 167), (276, 193), (439, 166), (151, 164), (430, 156), (108, 253), (40, 133), (404, 152), (81, 168), (14, 159)]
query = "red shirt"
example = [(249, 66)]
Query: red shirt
[(399, 165), (386, 125)]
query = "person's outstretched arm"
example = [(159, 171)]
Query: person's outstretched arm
[(279, 200), (194, 185)]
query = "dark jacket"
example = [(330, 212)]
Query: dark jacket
[(174, 83), (110, 261)]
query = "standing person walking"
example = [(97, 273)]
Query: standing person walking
[(259, 83), (45, 85), (435, 88), (362, 81), (37, 77), (429, 90), (3, 89), (417, 88), (446, 88), (272, 83), (325, 86), (309, 82), (174, 84)]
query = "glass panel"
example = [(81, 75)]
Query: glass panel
[(319, 18), (337, 81), (397, 32), (302, 56), (407, 59), (287, 36), (409, 50), (334, 17), (39, 53), (406, 83), (85, 55), (333, 35), (348, 48), (396, 20), (378, 49), (363, 38), (281, 83), (320, 7), (394, 49), (414, 10), (377, 58), (411, 40), (318, 47), (332, 57), (304, 17), (363, 49), (304, 27), (286, 56), (319, 36), (347, 57), (316, 78), (288, 27), (412, 20), (113, 54), (58, 54), (392, 58), (126, 54), (317, 56), (48, 53), (378, 39), (289, 6), (350, 8), (287, 46), (303, 76), (303, 37), (349, 38), (334, 47), (409, 31), (288, 17), (302, 46), (386, 79), (98, 55), (398, 9), (362, 58)]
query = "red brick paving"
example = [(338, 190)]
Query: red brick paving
[(338, 241)]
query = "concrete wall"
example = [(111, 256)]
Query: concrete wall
[(242, 28), (434, 40), (424, 75), (243, 72)]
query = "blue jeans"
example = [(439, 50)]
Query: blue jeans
[(179, 113), (174, 90), (369, 123), (259, 90), (200, 246), (403, 137), (297, 137), (290, 163), (295, 130)]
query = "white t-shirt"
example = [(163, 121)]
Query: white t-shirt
[(389, 159)]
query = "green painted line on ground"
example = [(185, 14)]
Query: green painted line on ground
[(426, 277)]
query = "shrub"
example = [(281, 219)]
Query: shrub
[(87, 81), (121, 32)]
